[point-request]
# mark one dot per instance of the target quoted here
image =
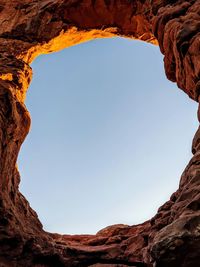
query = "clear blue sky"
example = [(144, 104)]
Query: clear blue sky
[(110, 136)]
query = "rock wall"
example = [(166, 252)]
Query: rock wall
[(29, 28)]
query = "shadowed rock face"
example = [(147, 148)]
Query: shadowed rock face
[(29, 28)]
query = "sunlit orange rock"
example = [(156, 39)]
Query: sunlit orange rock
[(29, 28)]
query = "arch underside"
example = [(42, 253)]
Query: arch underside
[(30, 28)]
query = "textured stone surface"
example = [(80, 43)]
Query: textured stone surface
[(29, 28)]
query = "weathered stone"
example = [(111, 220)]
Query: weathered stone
[(198, 111), (29, 28), (196, 142)]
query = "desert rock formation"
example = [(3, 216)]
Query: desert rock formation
[(31, 27)]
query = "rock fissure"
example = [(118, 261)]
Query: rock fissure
[(30, 28)]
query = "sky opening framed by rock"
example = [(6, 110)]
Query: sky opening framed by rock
[(30, 28)]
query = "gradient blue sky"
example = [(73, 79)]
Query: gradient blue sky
[(110, 136)]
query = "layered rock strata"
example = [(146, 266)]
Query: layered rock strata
[(30, 28)]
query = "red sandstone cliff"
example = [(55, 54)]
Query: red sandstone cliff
[(30, 27)]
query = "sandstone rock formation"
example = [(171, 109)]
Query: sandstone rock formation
[(31, 27)]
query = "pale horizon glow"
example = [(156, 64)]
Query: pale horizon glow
[(110, 136)]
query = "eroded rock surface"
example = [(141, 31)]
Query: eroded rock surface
[(29, 28)]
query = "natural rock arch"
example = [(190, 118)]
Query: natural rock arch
[(29, 28)]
